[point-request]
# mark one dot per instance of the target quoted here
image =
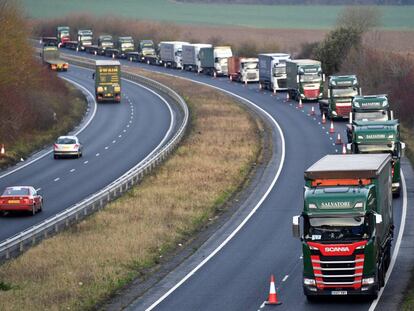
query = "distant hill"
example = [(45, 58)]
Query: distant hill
[(302, 2)]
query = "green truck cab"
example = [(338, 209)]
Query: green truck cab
[(380, 137), (107, 80), (341, 91), (62, 34), (124, 46), (304, 79), (51, 57), (346, 227)]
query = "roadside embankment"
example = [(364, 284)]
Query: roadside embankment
[(35, 106), (86, 264)]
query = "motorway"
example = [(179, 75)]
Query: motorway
[(231, 272), (116, 137)]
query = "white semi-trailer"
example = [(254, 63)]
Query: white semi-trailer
[(171, 53), (272, 71)]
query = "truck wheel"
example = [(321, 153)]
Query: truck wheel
[(33, 211)]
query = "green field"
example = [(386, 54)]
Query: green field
[(258, 16)]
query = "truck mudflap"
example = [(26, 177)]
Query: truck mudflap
[(338, 270)]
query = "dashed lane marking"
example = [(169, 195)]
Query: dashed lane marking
[(56, 179), (72, 170)]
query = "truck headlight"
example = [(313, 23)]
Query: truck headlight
[(311, 205), (309, 282), (368, 281), (360, 137), (100, 89), (117, 89), (359, 205), (390, 136)]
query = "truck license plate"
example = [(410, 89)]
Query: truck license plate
[(339, 292), (14, 201)]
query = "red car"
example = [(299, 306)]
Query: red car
[(22, 198)]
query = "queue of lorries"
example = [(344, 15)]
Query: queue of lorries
[(346, 226)]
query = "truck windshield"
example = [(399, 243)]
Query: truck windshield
[(388, 147), (310, 78), (345, 92), (279, 71), (127, 45), (86, 38), (64, 33), (381, 115), (250, 65), (327, 229)]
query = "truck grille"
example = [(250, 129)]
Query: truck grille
[(337, 272), (251, 75)]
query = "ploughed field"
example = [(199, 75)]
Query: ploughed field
[(257, 16)]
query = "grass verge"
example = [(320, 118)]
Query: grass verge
[(82, 266), (33, 140)]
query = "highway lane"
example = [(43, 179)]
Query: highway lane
[(118, 138), (237, 278)]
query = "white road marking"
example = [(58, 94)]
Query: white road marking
[(76, 133), (72, 170), (119, 136), (98, 154), (38, 189), (86, 162), (124, 131), (127, 125), (114, 141), (56, 179), (397, 245), (130, 121), (252, 212), (285, 278), (106, 147)]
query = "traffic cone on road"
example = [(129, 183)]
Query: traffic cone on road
[(332, 129), (338, 139), (272, 300), (312, 113), (323, 118), (287, 97), (344, 149), (300, 105), (2, 151)]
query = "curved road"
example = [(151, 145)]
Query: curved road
[(118, 137), (237, 276)]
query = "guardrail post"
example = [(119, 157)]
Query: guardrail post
[(21, 247)]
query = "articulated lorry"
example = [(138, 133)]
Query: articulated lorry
[(191, 58), (380, 137), (49, 41), (145, 53), (105, 47), (243, 69), (272, 71), (368, 108), (171, 53), (62, 34), (107, 80), (213, 60), (341, 91), (51, 57), (346, 227), (84, 39), (304, 79)]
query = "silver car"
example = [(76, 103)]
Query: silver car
[(67, 146)]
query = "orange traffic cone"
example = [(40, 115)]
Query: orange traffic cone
[(2, 151), (272, 300), (344, 149), (332, 129), (287, 97), (323, 118), (338, 139), (312, 111), (300, 105)]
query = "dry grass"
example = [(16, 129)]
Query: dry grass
[(87, 263)]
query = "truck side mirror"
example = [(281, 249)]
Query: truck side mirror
[(392, 114), (378, 222), (296, 227), (297, 78)]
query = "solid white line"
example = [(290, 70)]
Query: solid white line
[(76, 133), (397, 244), (241, 225)]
